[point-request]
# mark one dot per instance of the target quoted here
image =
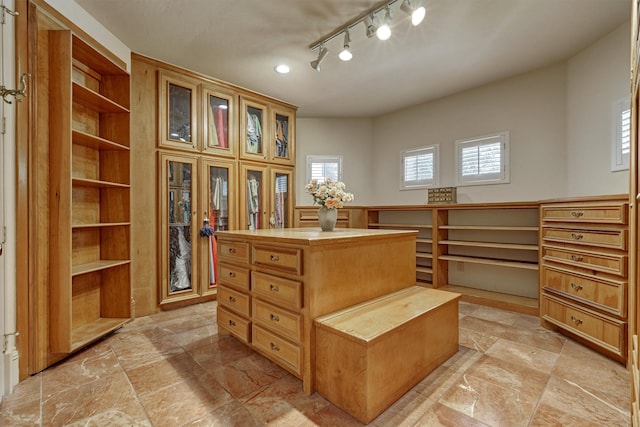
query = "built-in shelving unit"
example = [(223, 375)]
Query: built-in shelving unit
[(89, 178), (464, 247)]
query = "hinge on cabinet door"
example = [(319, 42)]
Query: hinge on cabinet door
[(6, 10), (5, 344)]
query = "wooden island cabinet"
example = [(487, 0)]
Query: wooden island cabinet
[(274, 283)]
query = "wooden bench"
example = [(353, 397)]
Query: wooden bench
[(369, 355)]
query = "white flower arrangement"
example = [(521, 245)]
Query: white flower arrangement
[(330, 194)]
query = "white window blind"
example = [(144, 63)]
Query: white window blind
[(419, 167), (621, 135), (483, 160), (323, 167)]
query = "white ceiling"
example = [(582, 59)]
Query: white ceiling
[(461, 44)]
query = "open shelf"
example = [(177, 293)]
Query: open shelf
[(495, 299), (97, 183), (403, 226), (97, 143), (491, 261), (94, 101), (427, 270), (489, 245), (90, 267), (487, 228), (86, 334)]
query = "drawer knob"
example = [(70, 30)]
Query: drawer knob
[(576, 287), (274, 347), (577, 258), (577, 214), (232, 250), (232, 274), (274, 288), (575, 320), (275, 258), (232, 323), (232, 299), (577, 236), (274, 318)]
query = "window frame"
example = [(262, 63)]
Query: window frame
[(427, 149), (620, 161), (502, 177), (311, 159)]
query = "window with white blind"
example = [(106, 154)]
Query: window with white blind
[(419, 167), (620, 135), (323, 167), (483, 160)]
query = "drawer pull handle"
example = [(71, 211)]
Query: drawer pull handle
[(577, 236), (577, 258), (232, 274), (274, 347), (232, 299), (274, 288), (575, 320), (232, 250), (576, 214), (576, 287), (275, 258), (232, 323), (274, 318)]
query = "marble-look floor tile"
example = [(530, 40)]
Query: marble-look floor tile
[(443, 416), (197, 337), (568, 401), (489, 403), (165, 372), (112, 393), (495, 315), (524, 354), (184, 402), (478, 341), (577, 364), (229, 415)]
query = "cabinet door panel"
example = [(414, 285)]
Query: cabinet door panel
[(254, 127), (179, 275), (282, 148), (220, 135), (178, 111)]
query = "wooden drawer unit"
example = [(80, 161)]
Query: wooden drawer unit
[(583, 271), (277, 289), (278, 320), (616, 238), (613, 263), (236, 301), (289, 355), (606, 332), (234, 324), (233, 276), (233, 251), (598, 213), (608, 295), (278, 257)]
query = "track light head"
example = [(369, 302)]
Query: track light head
[(416, 13), (322, 52), (346, 55), (370, 25), (384, 31)]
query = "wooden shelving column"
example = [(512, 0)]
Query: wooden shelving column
[(89, 205)]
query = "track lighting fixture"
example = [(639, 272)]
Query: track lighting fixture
[(322, 52), (416, 13), (369, 23), (346, 55), (384, 31), (368, 18)]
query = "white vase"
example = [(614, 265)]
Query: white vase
[(327, 218)]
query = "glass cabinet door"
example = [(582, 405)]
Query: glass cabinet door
[(254, 197), (220, 207), (179, 199), (254, 130), (178, 111), (219, 131), (281, 198), (283, 139)]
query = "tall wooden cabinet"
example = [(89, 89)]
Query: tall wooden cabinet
[(89, 205), (226, 160)]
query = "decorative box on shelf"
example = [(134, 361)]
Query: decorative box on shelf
[(441, 195)]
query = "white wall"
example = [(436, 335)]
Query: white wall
[(350, 138), (530, 106), (597, 77)]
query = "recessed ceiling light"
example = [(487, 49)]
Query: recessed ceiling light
[(282, 69)]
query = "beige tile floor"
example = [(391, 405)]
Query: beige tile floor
[(173, 369)]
